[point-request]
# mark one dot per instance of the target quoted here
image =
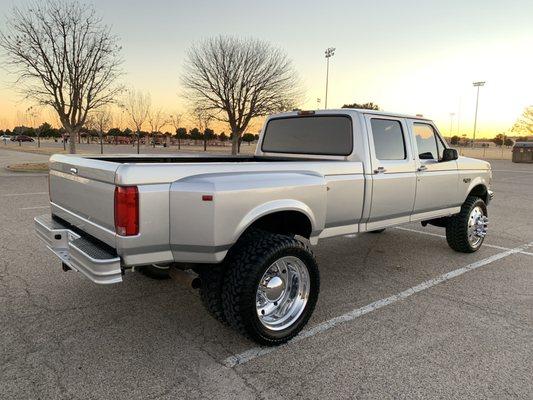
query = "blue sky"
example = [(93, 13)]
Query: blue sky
[(408, 56)]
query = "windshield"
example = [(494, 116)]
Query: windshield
[(320, 134)]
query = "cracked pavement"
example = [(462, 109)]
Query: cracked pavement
[(63, 337)]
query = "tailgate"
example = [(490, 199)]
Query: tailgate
[(82, 193)]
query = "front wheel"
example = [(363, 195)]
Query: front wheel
[(271, 288), (466, 231)]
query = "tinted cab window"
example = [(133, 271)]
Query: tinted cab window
[(388, 139), (327, 135), (430, 145)]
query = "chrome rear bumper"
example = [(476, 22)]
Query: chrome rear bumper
[(95, 262)]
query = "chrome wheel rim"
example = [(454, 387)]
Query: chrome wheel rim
[(477, 226), (282, 293)]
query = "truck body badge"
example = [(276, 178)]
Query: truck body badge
[(466, 180), (74, 170)]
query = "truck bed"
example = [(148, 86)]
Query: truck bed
[(187, 158)]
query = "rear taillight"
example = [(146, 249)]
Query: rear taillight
[(127, 210)]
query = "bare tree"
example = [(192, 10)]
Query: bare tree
[(175, 121), (203, 119), (236, 80), (524, 124), (33, 114), (137, 105), (156, 120), (63, 56), (101, 121)]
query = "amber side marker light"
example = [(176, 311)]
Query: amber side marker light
[(127, 210)]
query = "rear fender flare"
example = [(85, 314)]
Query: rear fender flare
[(272, 207)]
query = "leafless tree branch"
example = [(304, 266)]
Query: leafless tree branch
[(235, 80), (63, 56), (137, 106)]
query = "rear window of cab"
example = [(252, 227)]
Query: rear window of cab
[(319, 134)]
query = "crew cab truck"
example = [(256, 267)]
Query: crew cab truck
[(245, 225)]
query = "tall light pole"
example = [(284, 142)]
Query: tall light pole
[(330, 51), (451, 123), (478, 85)]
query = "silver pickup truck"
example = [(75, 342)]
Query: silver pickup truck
[(245, 224)]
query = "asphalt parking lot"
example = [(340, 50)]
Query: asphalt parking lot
[(400, 315)]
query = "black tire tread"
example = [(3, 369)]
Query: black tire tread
[(253, 250), (212, 278), (457, 227)]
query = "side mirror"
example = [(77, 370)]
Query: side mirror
[(449, 155)]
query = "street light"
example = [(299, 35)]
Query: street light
[(478, 85), (330, 52), (452, 114)]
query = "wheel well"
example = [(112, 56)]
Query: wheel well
[(284, 222), (480, 191)]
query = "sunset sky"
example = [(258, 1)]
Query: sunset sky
[(416, 57)]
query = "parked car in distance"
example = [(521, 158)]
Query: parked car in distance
[(22, 138), (245, 224), (5, 137)]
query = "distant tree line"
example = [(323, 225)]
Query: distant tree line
[(364, 106), (499, 140), (45, 130)]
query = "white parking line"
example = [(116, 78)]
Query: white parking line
[(34, 208), (249, 355), (22, 194), (493, 246)]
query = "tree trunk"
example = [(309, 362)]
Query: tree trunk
[(179, 143), (234, 143), (101, 143), (73, 135), (205, 145)]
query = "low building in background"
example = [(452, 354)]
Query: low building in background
[(523, 152)]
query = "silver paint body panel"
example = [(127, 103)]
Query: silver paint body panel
[(338, 194)]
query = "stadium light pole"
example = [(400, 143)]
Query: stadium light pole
[(452, 114), (478, 85), (330, 52)]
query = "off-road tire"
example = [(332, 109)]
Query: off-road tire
[(154, 272), (457, 227), (250, 258), (212, 278)]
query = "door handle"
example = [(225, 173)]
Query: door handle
[(380, 170), (422, 168)]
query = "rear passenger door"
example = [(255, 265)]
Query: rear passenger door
[(393, 171), (437, 181)]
